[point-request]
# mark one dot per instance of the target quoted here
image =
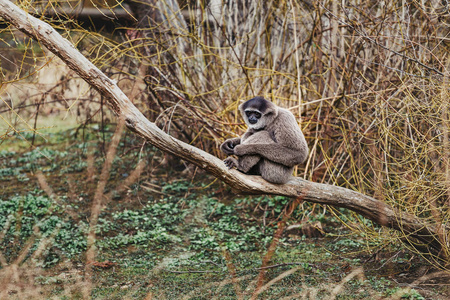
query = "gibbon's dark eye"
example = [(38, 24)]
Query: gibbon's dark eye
[(253, 116)]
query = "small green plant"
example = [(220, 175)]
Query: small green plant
[(34, 214), (410, 294), (150, 226)]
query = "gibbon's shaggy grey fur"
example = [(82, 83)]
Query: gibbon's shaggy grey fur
[(272, 145)]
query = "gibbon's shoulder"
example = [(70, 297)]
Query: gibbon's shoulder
[(286, 117)]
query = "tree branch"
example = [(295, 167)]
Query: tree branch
[(375, 210)]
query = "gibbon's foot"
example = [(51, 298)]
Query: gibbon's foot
[(231, 162)]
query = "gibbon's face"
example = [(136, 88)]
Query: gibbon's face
[(258, 113), (253, 116)]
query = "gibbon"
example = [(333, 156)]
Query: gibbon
[(272, 145)]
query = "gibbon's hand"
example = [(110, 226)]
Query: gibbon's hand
[(228, 147)]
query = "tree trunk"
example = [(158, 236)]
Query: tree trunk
[(375, 210)]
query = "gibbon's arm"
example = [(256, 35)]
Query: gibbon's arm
[(274, 152), (229, 145)]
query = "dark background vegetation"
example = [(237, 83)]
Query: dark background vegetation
[(368, 82)]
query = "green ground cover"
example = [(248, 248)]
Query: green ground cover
[(178, 235)]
